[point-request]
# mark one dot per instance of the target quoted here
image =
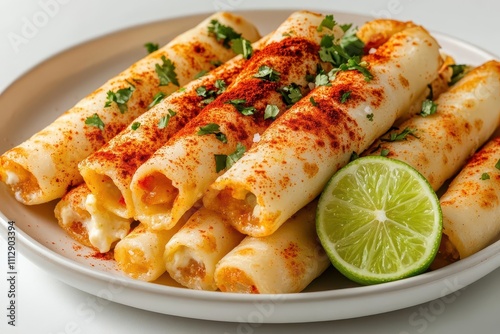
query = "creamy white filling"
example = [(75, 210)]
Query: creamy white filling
[(104, 227), (12, 178)]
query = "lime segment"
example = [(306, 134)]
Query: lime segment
[(379, 220)]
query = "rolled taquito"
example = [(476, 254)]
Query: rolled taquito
[(301, 150), (439, 144), (192, 253), (45, 166), (471, 206), (284, 262), (81, 215), (140, 253), (178, 174)]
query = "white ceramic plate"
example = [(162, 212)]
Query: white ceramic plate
[(38, 97)]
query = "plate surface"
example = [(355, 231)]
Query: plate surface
[(58, 83)]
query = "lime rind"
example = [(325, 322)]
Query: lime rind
[(379, 220)]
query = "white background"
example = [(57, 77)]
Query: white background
[(46, 305)]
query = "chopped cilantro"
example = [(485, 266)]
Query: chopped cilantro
[(212, 128), (166, 72), (401, 135), (223, 161), (322, 80), (200, 74), (151, 47), (216, 63), (239, 104), (164, 120), (351, 43), (156, 99), (220, 85), (428, 108), (222, 33), (135, 125), (313, 102), (242, 46), (370, 117), (120, 97), (271, 111), (328, 22), (291, 94), (354, 156), (267, 73), (210, 95), (485, 176), (458, 72), (96, 121), (497, 165), (345, 96), (384, 152)]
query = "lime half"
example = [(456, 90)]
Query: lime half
[(379, 220)]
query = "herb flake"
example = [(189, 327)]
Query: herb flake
[(267, 73), (120, 97), (166, 72), (164, 119), (96, 121), (429, 107), (212, 128)]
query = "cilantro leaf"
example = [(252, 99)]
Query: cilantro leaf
[(350, 42), (156, 99), (458, 72), (291, 94), (384, 152), (354, 156), (212, 128), (151, 47), (271, 111), (239, 104), (96, 121), (322, 80), (200, 74), (313, 102), (220, 85), (166, 72), (223, 161), (401, 135), (345, 96), (429, 107), (485, 176), (328, 22), (242, 46), (164, 120), (135, 125), (267, 73), (222, 33), (120, 97)]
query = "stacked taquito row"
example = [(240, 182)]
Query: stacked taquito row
[(45, 166), (209, 253)]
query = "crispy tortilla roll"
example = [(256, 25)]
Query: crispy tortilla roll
[(139, 254), (438, 145), (284, 262), (45, 166), (471, 205), (296, 156), (178, 174), (108, 172), (377, 32), (193, 252), (82, 216)]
